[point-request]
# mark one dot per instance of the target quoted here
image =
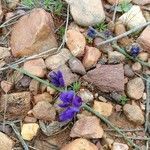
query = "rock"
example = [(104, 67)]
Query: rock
[(104, 109), (143, 56), (43, 97), (76, 66), (128, 71), (12, 3), (137, 67), (119, 1), (80, 144), (69, 77), (75, 42), (29, 131), (134, 113), (86, 95), (9, 15), (1, 12), (87, 127), (102, 99), (54, 61), (6, 86), (91, 57), (44, 110), (115, 57), (31, 38), (143, 2), (133, 17), (107, 78), (87, 12), (6, 143), (29, 119), (24, 81), (135, 88), (18, 104), (120, 29), (144, 39), (120, 146), (34, 86), (4, 52), (36, 67), (51, 90)]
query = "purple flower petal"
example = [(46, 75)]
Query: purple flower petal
[(62, 82), (68, 114), (77, 101), (64, 105), (67, 96)]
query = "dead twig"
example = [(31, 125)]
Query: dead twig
[(126, 130)]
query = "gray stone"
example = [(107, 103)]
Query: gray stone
[(87, 12), (128, 71), (76, 66)]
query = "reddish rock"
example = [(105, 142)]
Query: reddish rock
[(144, 39), (75, 42), (80, 144), (29, 119), (36, 67), (91, 57), (107, 78), (34, 86), (87, 127), (44, 110), (18, 105), (6, 86), (33, 33)]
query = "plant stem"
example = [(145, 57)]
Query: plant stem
[(130, 57), (37, 78), (111, 125)]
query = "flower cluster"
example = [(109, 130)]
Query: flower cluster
[(57, 79), (134, 51), (71, 103), (91, 33)]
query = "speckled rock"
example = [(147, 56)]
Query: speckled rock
[(120, 146), (6, 143), (128, 71), (86, 95), (134, 113), (104, 109), (80, 144), (143, 56), (120, 1), (107, 78), (31, 38), (91, 57), (44, 110), (54, 61), (87, 127), (87, 12), (29, 130), (133, 17), (135, 88), (76, 66), (75, 42)]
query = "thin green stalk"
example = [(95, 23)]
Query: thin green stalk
[(130, 57), (111, 125), (37, 78)]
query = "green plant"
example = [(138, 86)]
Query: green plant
[(123, 100), (101, 26), (89, 40), (61, 31), (124, 7), (55, 6), (76, 86)]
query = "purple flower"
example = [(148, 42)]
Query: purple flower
[(57, 78), (91, 33), (71, 104), (134, 51)]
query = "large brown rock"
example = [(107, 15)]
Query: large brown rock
[(107, 78), (144, 39), (80, 144), (33, 33), (6, 143), (18, 105), (87, 127)]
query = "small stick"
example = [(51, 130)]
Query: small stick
[(124, 34), (125, 130), (115, 11), (111, 125)]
